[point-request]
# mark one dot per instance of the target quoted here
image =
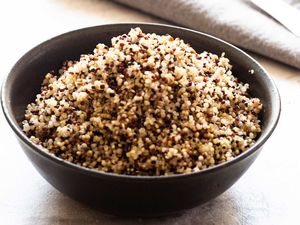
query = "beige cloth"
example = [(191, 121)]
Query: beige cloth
[(236, 21)]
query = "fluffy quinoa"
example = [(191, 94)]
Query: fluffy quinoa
[(148, 105)]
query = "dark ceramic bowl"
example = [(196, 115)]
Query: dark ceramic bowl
[(123, 194)]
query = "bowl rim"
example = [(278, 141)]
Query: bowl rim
[(275, 114)]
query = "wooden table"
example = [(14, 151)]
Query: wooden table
[(267, 194)]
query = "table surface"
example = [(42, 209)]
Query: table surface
[(267, 194)]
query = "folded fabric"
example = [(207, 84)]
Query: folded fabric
[(236, 21)]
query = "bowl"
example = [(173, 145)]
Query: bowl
[(124, 194)]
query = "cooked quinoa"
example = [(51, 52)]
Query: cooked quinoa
[(148, 105)]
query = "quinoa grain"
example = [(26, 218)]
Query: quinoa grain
[(148, 105)]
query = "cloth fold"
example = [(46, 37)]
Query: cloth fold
[(236, 21)]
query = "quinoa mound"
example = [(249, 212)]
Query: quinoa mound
[(148, 105)]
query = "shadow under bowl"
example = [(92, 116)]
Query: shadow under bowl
[(123, 194)]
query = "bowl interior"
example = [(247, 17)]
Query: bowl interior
[(24, 80)]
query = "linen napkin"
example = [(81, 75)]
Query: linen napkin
[(239, 22)]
